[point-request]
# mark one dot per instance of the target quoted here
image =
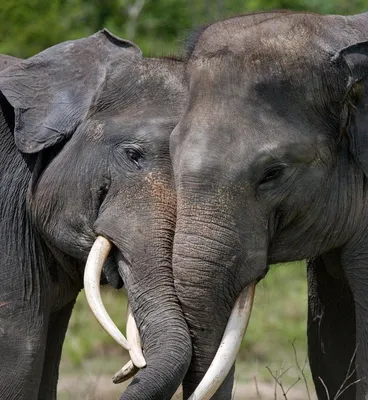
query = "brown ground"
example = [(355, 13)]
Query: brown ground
[(102, 388)]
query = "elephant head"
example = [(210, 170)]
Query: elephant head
[(270, 165), (92, 119)]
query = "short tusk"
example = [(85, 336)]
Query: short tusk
[(92, 275), (229, 347), (137, 361), (134, 340), (127, 372)]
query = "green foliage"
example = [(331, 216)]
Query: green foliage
[(157, 26), (85, 338), (279, 318), (280, 311)]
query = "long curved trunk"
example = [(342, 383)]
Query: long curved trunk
[(164, 332), (209, 274)]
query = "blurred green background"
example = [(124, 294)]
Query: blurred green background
[(160, 27), (157, 26)]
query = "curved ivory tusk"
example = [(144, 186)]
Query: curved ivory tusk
[(127, 372), (92, 275), (134, 340), (137, 361), (229, 347)]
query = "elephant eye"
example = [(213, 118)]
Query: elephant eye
[(272, 173), (135, 156)]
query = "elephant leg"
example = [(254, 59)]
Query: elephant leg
[(23, 333), (331, 328), (355, 264), (55, 338)]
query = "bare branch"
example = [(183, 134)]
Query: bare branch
[(326, 390), (275, 379), (134, 11), (257, 388), (301, 370), (284, 372), (346, 388), (348, 376), (298, 379)]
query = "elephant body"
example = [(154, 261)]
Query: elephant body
[(270, 165), (84, 151)]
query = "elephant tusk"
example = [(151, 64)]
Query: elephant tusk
[(127, 372), (137, 359), (229, 347), (92, 276), (134, 340)]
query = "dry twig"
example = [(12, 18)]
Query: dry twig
[(301, 370), (326, 390), (277, 377), (257, 388), (344, 386)]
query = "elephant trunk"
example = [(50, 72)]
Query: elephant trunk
[(164, 333), (208, 263)]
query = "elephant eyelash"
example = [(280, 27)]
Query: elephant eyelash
[(272, 173), (129, 155), (135, 156)]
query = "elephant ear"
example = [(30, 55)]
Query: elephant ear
[(356, 59), (51, 92)]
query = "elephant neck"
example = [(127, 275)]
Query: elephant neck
[(15, 173), (23, 252)]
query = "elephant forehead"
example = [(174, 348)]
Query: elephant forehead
[(287, 32), (266, 63), (226, 147), (231, 104), (143, 129)]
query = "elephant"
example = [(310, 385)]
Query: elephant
[(84, 156), (270, 161), (6, 61)]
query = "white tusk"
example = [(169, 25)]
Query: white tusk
[(134, 340), (92, 275), (137, 361), (128, 371), (229, 347)]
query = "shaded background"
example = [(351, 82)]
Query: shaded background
[(157, 26), (160, 27)]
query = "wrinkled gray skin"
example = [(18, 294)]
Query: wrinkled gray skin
[(6, 61), (84, 151), (270, 162)]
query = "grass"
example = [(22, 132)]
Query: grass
[(278, 318), (85, 338)]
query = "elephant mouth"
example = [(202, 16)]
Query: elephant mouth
[(92, 276), (226, 353)]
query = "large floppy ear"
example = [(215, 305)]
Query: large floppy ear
[(355, 58), (51, 92)]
